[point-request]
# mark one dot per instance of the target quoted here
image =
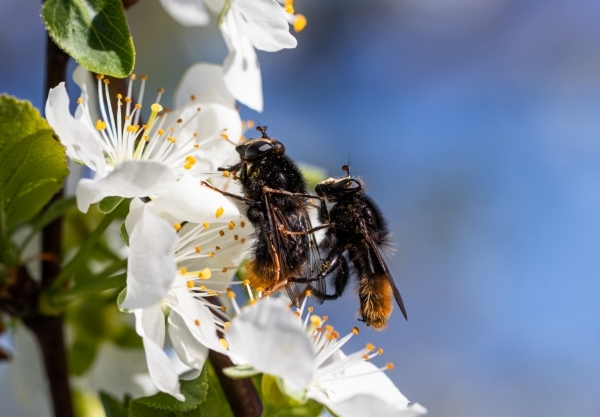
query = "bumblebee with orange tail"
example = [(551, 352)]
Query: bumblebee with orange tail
[(357, 231)]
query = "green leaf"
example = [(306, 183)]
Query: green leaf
[(274, 400), (120, 300), (112, 406), (81, 356), (94, 32), (124, 234), (194, 391), (53, 211), (240, 371), (216, 403), (108, 204), (33, 164), (312, 175), (310, 409)]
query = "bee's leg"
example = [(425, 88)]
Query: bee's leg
[(283, 230), (335, 261), (232, 168), (230, 195), (323, 213), (269, 229)]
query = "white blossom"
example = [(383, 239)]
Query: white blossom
[(135, 159)]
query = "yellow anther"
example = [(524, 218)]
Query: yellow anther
[(355, 330), (223, 343), (380, 351), (225, 173), (206, 225), (226, 325), (370, 347), (389, 366), (243, 240), (310, 309), (119, 96), (160, 131), (146, 138), (132, 128), (197, 322), (231, 225), (190, 161), (183, 270), (211, 255), (308, 293), (198, 249), (300, 23), (219, 212), (100, 125), (195, 134), (205, 274), (224, 269), (329, 327), (217, 248), (138, 106), (171, 139), (161, 90), (218, 294), (79, 100), (250, 123), (177, 226), (319, 329), (325, 318), (230, 293), (224, 136), (202, 287), (365, 357), (223, 308), (190, 284), (106, 81), (297, 313), (221, 233), (166, 109), (144, 77), (235, 237), (242, 223), (196, 146), (127, 100), (99, 76), (179, 120), (252, 301), (260, 289), (133, 76), (211, 292), (192, 97)]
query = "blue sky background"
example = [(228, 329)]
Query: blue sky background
[(475, 125)]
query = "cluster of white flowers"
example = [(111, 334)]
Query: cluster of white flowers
[(187, 241)]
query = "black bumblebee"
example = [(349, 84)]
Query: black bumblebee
[(356, 232), (275, 199)]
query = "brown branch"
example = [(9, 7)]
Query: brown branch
[(241, 393)]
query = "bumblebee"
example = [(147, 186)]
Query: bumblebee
[(275, 199), (356, 233)]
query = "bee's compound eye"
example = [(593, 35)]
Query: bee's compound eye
[(258, 148)]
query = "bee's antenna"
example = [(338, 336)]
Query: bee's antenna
[(262, 130), (346, 168)]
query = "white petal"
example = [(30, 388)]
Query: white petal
[(150, 325), (189, 309), (264, 23), (215, 5), (205, 82), (189, 350), (187, 12), (74, 135), (241, 68), (368, 405), (188, 200), (89, 93), (268, 337), (129, 179), (151, 266)]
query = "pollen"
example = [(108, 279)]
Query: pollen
[(365, 357), (183, 270), (211, 255), (355, 330), (100, 125), (380, 351), (370, 347), (224, 136), (190, 284), (310, 309), (289, 6), (99, 76), (192, 97), (106, 81), (235, 237), (217, 247), (79, 100), (219, 212), (226, 325), (297, 313), (223, 343), (206, 225), (197, 322), (230, 293), (144, 77), (190, 161), (226, 173), (196, 146), (198, 249), (177, 226), (171, 139), (389, 366), (138, 106), (300, 23), (161, 132), (127, 100), (250, 123), (243, 240), (205, 274), (132, 128), (308, 293), (242, 223), (202, 288), (325, 318), (223, 309), (221, 233), (231, 225), (133, 76)]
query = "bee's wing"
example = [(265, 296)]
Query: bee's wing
[(313, 264), (383, 265)]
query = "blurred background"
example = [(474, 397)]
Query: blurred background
[(476, 127)]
